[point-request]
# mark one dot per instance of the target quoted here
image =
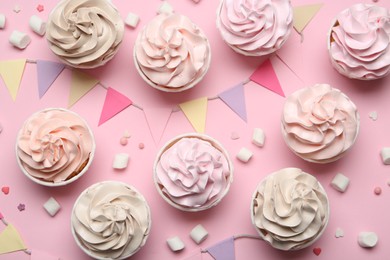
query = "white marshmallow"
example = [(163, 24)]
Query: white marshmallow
[(2, 21), (120, 161), (244, 154), (258, 137), (165, 7), (199, 234), (37, 25), (367, 239), (19, 39), (132, 20), (339, 233), (175, 243), (340, 182), (385, 153), (52, 206)]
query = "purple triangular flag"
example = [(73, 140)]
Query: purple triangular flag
[(224, 250), (114, 103), (235, 99), (47, 71)]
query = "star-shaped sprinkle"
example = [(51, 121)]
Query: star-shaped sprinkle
[(21, 207), (40, 8), (16, 9)]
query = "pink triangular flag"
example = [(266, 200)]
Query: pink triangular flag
[(235, 99), (40, 255), (12, 72), (47, 72), (157, 119), (224, 250), (114, 103), (81, 83), (265, 76)]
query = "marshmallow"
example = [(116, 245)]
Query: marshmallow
[(52, 206), (367, 239), (2, 21), (258, 137), (340, 182), (244, 154), (339, 233), (19, 39), (385, 153), (199, 234), (132, 20), (37, 25), (175, 244), (120, 161), (165, 7)]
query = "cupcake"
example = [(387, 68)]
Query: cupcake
[(84, 34), (359, 42), (255, 28), (193, 172), (54, 147), (290, 209), (319, 123), (171, 53), (110, 220)]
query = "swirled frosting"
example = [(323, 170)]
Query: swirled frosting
[(111, 220), (319, 123), (53, 145), (172, 52), (255, 27), (193, 174), (360, 42), (84, 33), (290, 209)]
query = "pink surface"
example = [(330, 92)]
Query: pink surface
[(356, 210)]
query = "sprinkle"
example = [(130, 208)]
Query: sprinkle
[(339, 233), (123, 141), (21, 207), (141, 146), (377, 190), (126, 134), (16, 9), (5, 190), (388, 183), (373, 115), (40, 8), (1, 216), (317, 251), (1, 128), (234, 136)]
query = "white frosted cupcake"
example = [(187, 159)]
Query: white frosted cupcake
[(193, 172), (54, 147), (359, 42), (255, 28), (110, 220), (319, 123), (290, 209), (84, 34), (171, 53)]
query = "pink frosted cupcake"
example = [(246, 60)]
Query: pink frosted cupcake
[(84, 34), (193, 172), (319, 123), (54, 147), (359, 42), (255, 28), (171, 53), (290, 209)]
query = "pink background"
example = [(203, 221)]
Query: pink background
[(356, 210)]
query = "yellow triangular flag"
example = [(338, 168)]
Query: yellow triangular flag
[(303, 15), (12, 71), (195, 111), (10, 240), (80, 84)]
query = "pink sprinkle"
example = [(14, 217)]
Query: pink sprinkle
[(21, 207), (375, 1), (40, 8), (123, 141), (1, 216), (377, 190), (141, 146)]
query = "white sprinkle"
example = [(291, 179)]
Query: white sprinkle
[(373, 115)]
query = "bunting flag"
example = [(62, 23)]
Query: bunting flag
[(80, 84), (265, 76), (195, 111), (157, 119), (10, 240), (235, 99), (224, 250), (12, 71), (40, 255), (114, 103), (47, 72), (303, 15)]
